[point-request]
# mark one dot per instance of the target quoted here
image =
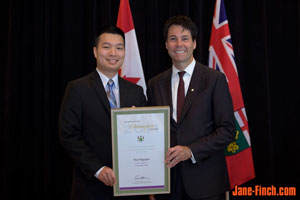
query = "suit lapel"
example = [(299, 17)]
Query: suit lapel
[(123, 93), (165, 90), (196, 86), (99, 88), (166, 93)]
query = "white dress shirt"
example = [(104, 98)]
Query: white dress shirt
[(105, 80), (175, 82)]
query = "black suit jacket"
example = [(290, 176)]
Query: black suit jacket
[(206, 127), (85, 130)]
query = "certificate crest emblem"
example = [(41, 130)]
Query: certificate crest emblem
[(140, 138)]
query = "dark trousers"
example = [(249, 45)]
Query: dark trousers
[(178, 191)]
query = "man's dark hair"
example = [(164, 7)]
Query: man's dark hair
[(183, 21), (109, 29)]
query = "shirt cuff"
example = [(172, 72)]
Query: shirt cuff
[(98, 172), (193, 158)]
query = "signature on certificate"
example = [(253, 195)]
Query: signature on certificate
[(139, 177)]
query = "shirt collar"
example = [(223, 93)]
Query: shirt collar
[(188, 70), (105, 79)]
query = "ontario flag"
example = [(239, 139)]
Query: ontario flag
[(132, 69), (221, 57)]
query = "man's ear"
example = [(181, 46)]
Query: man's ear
[(95, 52)]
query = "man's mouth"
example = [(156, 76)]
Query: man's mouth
[(179, 51), (112, 61)]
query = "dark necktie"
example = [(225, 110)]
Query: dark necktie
[(110, 94), (180, 94)]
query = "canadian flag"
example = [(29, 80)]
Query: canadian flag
[(132, 69)]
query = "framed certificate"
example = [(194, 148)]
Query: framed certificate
[(140, 140)]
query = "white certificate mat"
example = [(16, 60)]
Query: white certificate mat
[(140, 138)]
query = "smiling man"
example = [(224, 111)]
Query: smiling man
[(84, 123), (202, 123), (109, 53)]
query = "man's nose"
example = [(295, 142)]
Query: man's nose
[(112, 51), (179, 43)]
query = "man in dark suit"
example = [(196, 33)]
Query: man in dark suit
[(202, 123), (85, 126)]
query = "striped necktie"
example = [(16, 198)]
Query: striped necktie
[(110, 94)]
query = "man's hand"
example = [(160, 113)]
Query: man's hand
[(107, 176), (177, 154)]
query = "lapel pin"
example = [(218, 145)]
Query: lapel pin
[(192, 90)]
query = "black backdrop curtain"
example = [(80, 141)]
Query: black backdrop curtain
[(49, 42)]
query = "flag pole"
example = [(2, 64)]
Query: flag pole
[(227, 195)]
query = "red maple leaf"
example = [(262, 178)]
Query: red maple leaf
[(132, 79)]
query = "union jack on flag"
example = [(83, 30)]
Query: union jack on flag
[(221, 57)]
